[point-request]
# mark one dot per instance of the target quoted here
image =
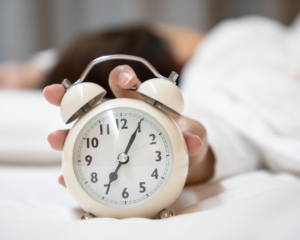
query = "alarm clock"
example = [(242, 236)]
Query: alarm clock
[(124, 157)]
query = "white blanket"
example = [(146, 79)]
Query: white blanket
[(243, 83), (256, 205), (25, 123)]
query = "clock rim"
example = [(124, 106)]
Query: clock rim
[(163, 199)]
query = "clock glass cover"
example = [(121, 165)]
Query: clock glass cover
[(123, 157)]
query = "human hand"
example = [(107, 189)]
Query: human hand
[(11, 75), (201, 159)]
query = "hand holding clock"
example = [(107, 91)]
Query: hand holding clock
[(201, 159)]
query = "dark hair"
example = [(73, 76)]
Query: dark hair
[(138, 41)]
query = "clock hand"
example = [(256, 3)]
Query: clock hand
[(132, 138), (114, 175), (138, 149)]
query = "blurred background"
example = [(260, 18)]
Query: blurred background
[(28, 26)]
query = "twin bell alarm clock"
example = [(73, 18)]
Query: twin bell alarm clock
[(124, 157)]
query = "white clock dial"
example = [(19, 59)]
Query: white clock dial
[(123, 157)]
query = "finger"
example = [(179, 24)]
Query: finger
[(61, 181), (193, 143), (188, 125), (57, 139), (121, 78), (54, 93)]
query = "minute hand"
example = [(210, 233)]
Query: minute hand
[(132, 138)]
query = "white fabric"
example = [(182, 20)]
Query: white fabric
[(45, 60), (246, 74), (256, 205), (25, 123)]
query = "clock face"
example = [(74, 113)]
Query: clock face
[(123, 157)]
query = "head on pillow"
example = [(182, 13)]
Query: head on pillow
[(138, 41)]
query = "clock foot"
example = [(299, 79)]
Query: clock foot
[(87, 216), (165, 213)]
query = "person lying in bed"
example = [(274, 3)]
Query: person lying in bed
[(153, 43), (241, 81), (142, 42)]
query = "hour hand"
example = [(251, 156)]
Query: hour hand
[(113, 176)]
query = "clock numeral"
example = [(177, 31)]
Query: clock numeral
[(124, 124), (88, 158), (101, 129), (153, 138), (94, 178), (142, 187), (158, 155), (139, 127), (94, 142), (125, 194), (155, 174), (107, 189)]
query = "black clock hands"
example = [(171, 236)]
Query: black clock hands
[(123, 158)]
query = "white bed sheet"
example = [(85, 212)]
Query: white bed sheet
[(256, 205)]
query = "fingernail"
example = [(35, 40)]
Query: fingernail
[(125, 77)]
